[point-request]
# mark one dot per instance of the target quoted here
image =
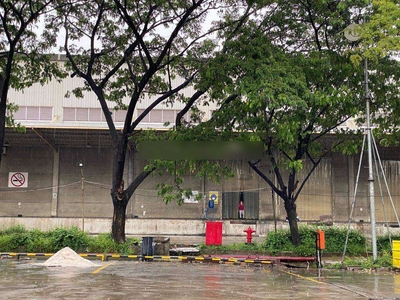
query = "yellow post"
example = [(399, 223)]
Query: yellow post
[(396, 254)]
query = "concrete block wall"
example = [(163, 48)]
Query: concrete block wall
[(32, 201), (97, 182), (55, 190)]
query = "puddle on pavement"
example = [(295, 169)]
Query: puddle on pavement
[(176, 280)]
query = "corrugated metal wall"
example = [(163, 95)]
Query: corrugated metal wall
[(315, 199), (385, 206), (54, 94)]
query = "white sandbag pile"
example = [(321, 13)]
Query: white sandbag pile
[(67, 257)]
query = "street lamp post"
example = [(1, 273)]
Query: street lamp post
[(83, 195)]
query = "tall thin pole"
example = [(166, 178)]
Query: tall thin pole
[(370, 167), (83, 199)]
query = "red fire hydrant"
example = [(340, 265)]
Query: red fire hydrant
[(249, 232)]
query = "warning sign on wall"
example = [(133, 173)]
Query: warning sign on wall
[(213, 195), (18, 179)]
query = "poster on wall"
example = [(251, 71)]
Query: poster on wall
[(192, 198), (18, 179), (213, 195)]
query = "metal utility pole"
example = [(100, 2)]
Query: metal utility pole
[(352, 34), (370, 166)]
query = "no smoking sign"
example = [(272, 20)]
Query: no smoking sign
[(18, 179)]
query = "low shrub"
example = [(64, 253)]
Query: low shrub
[(13, 229), (18, 239), (236, 247), (280, 241), (384, 243), (384, 260), (39, 242), (103, 243), (335, 239), (213, 249), (13, 239), (7, 244), (72, 237)]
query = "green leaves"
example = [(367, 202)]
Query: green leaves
[(24, 58), (381, 34), (296, 165), (279, 241), (296, 88)]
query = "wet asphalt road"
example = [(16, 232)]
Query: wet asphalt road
[(178, 280)]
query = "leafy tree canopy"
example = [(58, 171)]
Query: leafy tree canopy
[(23, 59), (133, 51), (381, 31), (287, 79)]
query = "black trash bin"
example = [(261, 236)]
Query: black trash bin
[(147, 246)]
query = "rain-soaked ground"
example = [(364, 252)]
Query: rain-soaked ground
[(177, 280)]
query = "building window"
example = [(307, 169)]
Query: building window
[(69, 114), (169, 116), (119, 115), (82, 114), (95, 114), (46, 113), (90, 114), (34, 113), (156, 116), (161, 116)]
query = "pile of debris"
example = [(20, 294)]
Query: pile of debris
[(67, 257)]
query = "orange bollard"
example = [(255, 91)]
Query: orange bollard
[(320, 239)]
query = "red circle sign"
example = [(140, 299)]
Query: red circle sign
[(18, 179)]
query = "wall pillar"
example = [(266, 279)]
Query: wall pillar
[(352, 183), (56, 175), (341, 189)]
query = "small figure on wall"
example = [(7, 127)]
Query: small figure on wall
[(241, 209)]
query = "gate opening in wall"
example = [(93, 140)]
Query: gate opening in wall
[(230, 202)]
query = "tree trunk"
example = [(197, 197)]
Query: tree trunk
[(119, 217), (3, 107), (290, 208), (119, 198), (119, 195)]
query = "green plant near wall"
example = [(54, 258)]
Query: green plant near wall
[(38, 241), (104, 243), (233, 248), (384, 243), (13, 239), (335, 241), (213, 249), (19, 239), (384, 261), (72, 237), (279, 241), (7, 244), (12, 229)]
